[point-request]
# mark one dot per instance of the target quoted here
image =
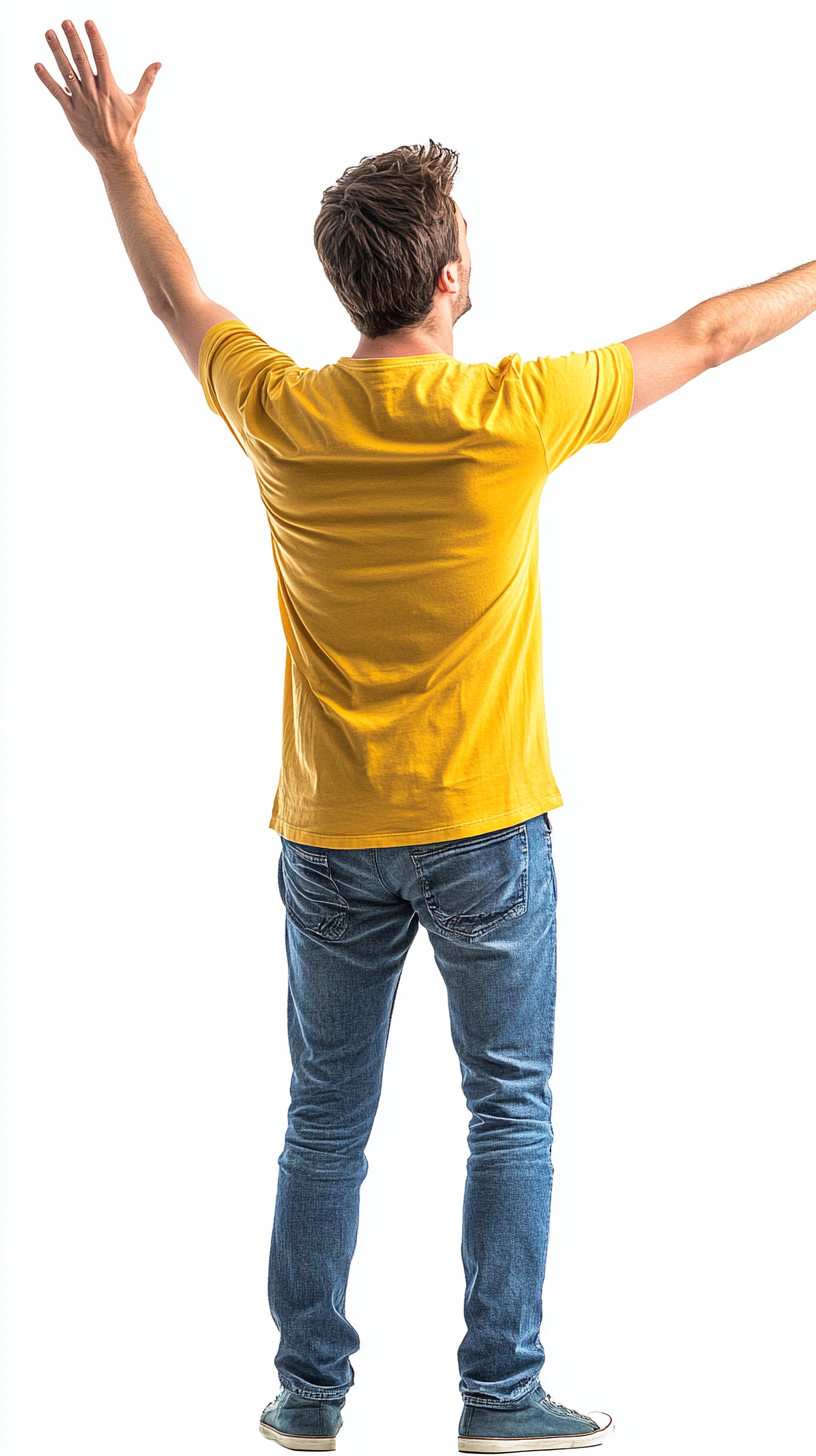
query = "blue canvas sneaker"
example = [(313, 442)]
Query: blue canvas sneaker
[(300, 1423), (534, 1424)]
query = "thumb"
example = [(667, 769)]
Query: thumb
[(141, 92)]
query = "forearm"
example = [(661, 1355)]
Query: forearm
[(736, 322), (159, 260)]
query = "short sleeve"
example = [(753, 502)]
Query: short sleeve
[(579, 399), (239, 373)]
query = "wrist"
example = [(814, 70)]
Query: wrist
[(117, 158)]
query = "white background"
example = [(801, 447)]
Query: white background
[(619, 162)]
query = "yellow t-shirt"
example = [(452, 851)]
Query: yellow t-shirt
[(402, 497)]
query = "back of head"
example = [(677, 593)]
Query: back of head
[(384, 233)]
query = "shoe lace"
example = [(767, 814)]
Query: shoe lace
[(566, 1408)]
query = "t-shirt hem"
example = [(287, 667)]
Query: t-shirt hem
[(206, 350), (318, 840), (623, 404)]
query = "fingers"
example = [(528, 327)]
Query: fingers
[(56, 90), (72, 80), (78, 52), (100, 55)]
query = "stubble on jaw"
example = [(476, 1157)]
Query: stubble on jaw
[(463, 307)]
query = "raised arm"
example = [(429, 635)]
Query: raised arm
[(104, 119), (718, 330)]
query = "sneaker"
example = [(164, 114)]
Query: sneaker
[(536, 1425), (300, 1423)]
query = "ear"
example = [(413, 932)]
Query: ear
[(449, 280)]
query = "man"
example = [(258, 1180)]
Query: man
[(402, 490)]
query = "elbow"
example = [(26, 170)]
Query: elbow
[(710, 342), (160, 306), (719, 347), (709, 335), (721, 337)]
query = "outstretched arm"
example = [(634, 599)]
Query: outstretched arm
[(104, 119), (718, 330)]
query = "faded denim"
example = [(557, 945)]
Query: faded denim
[(488, 904)]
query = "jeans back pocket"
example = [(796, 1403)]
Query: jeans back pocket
[(473, 885), (310, 894)]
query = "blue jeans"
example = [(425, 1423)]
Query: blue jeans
[(488, 905)]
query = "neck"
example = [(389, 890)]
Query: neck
[(434, 336)]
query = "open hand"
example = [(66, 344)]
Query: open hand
[(103, 117)]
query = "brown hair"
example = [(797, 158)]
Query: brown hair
[(384, 233)]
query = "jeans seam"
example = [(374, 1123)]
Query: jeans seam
[(516, 912), (445, 847), (327, 1392), (492, 1402), (377, 869)]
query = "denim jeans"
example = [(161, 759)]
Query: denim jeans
[(488, 905)]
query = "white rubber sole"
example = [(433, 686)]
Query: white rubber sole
[(542, 1443), (298, 1443)]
